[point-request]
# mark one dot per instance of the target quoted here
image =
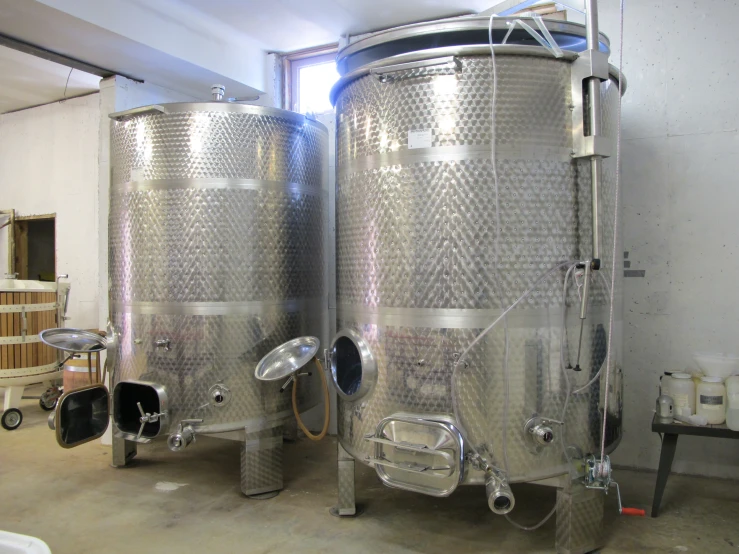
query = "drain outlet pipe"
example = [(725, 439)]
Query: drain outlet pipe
[(184, 436), (181, 439), (500, 496)]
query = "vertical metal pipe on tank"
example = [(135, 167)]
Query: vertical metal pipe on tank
[(594, 119)]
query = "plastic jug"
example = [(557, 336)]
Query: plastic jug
[(732, 403), (711, 400), (682, 391)]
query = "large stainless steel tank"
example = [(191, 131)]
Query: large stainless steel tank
[(216, 253), (417, 278)]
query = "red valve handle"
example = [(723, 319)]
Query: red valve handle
[(633, 512)]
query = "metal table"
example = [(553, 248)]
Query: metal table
[(670, 433)]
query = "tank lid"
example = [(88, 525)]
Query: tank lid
[(287, 359), (73, 340), (457, 32)]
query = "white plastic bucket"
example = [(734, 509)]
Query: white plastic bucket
[(13, 543)]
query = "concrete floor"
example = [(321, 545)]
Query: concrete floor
[(191, 502)]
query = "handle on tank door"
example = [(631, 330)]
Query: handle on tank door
[(413, 448), (413, 467), (450, 62)]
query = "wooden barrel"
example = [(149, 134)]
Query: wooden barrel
[(78, 372), (23, 315)]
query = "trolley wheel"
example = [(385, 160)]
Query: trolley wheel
[(47, 404), (11, 419), (48, 400)]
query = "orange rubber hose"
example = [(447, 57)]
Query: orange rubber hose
[(326, 406)]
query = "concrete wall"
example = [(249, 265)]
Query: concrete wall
[(49, 164), (680, 197)]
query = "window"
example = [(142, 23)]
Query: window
[(31, 245), (309, 76)]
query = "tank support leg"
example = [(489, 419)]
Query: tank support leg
[(346, 505), (12, 398), (123, 452), (579, 519), (261, 463)]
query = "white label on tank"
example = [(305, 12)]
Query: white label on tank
[(420, 139), (137, 174)]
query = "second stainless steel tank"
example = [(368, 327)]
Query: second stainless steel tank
[(428, 254)]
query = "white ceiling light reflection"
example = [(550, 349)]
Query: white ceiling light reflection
[(446, 124), (445, 84)]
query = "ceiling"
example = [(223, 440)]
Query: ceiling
[(285, 25), (183, 45), (26, 80)]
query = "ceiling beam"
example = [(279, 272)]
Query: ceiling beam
[(55, 57)]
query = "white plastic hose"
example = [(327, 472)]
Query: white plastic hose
[(615, 233)]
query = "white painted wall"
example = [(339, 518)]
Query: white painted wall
[(680, 199), (49, 164), (55, 159)]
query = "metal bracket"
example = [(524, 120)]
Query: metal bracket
[(145, 110), (447, 62), (589, 64)]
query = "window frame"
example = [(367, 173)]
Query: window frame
[(294, 62)]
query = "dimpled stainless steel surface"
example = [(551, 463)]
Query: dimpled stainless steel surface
[(216, 243), (579, 520), (416, 271), (346, 500), (261, 462)]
